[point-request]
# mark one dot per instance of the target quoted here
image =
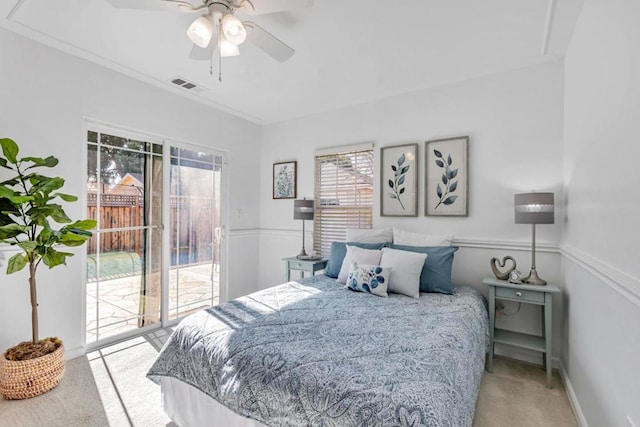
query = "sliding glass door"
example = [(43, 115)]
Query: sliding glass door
[(195, 230), (156, 252)]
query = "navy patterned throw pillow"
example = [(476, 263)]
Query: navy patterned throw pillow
[(372, 279)]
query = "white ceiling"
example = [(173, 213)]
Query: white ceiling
[(347, 51)]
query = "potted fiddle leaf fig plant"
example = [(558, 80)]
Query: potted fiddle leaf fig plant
[(36, 225)]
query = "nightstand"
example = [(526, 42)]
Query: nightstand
[(303, 265), (526, 294)]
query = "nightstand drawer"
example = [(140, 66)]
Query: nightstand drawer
[(517, 295), (298, 265)]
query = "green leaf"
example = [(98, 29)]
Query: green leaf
[(65, 197), (10, 182), (10, 231), (16, 263), (85, 224), (28, 245), (49, 162), (3, 163), (47, 185), (9, 149), (59, 216), (52, 258)]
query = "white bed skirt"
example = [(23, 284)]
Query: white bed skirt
[(189, 407)]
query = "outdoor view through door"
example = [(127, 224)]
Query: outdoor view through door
[(131, 262)]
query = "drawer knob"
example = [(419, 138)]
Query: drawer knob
[(518, 294)]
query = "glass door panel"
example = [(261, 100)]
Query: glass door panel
[(124, 257), (195, 224)]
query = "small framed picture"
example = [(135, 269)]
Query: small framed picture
[(399, 180), (285, 180), (447, 181)]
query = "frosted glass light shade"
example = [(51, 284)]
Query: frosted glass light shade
[(201, 30), (233, 29), (227, 48)]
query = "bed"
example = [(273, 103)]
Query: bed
[(315, 353)]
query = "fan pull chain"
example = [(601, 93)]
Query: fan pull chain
[(220, 50)]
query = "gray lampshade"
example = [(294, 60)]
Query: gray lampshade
[(303, 209), (534, 208)]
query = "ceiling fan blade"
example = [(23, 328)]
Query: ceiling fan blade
[(162, 5), (202, 54), (267, 42), (260, 7)]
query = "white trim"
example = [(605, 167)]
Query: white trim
[(616, 279), (505, 245), (573, 399), (548, 23), (243, 232), (74, 352), (329, 151)]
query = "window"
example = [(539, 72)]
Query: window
[(343, 194)]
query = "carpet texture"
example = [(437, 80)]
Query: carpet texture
[(109, 388), (75, 402)]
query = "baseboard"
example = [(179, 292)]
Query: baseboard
[(73, 352), (573, 399)]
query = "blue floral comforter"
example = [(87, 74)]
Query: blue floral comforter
[(315, 353)]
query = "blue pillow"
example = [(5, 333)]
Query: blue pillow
[(339, 251), (436, 272)]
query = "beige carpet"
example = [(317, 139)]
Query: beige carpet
[(109, 388)]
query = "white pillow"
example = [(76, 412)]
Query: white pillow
[(368, 278), (407, 238), (369, 235), (360, 256), (405, 270)]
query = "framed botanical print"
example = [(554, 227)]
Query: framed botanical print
[(399, 180), (447, 181), (285, 180)]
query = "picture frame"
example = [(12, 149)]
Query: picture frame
[(447, 177), (285, 180), (399, 180)]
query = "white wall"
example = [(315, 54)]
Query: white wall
[(601, 233), (44, 97), (514, 120)]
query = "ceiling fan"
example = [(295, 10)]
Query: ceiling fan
[(219, 28)]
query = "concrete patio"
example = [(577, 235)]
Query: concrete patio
[(119, 298)]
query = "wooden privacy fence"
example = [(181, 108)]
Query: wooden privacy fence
[(190, 244)]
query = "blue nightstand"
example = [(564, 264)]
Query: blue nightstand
[(303, 265), (526, 294)]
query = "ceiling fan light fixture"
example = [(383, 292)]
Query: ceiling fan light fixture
[(201, 30), (233, 29), (227, 48)]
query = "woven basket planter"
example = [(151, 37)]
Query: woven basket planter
[(29, 378)]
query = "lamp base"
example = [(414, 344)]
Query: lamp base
[(533, 278), (302, 254)]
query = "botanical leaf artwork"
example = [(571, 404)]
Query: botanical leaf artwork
[(284, 182), (449, 186), (397, 183)]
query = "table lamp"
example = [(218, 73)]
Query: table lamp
[(303, 209), (534, 208)]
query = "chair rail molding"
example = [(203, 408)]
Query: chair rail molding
[(621, 282)]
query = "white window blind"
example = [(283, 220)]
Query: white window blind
[(343, 195)]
